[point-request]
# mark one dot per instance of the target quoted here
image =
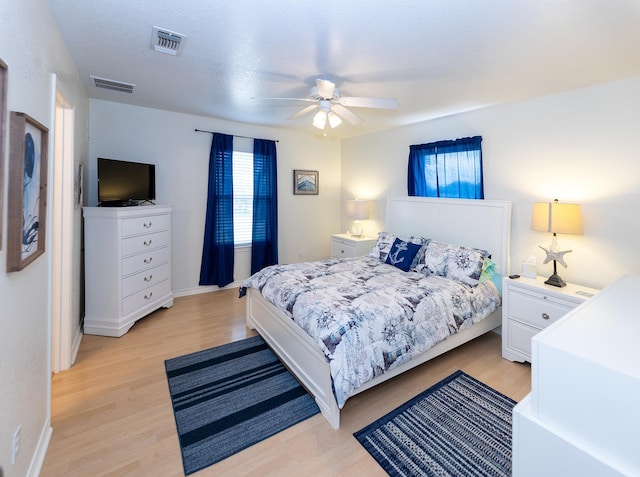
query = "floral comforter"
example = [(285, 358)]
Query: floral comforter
[(369, 317)]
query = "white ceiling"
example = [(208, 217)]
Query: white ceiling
[(436, 57)]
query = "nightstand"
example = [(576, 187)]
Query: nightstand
[(529, 306), (345, 245)]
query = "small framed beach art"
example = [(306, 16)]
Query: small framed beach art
[(305, 182)]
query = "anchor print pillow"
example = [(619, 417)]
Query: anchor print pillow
[(386, 240), (402, 253)]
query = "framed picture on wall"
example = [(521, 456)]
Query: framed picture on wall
[(3, 132), (305, 182), (27, 191)]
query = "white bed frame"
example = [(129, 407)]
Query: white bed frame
[(483, 224)]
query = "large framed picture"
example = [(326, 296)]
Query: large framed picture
[(27, 191), (305, 182), (3, 131)]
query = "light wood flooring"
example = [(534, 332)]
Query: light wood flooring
[(112, 416)]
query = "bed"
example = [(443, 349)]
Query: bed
[(481, 224)]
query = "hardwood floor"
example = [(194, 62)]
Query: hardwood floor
[(112, 416)]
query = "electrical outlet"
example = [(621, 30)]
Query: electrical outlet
[(16, 445)]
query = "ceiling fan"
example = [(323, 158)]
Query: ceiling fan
[(332, 108)]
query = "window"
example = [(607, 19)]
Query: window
[(229, 219), (242, 197), (446, 169)]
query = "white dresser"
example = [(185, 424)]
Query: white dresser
[(127, 253), (582, 415)]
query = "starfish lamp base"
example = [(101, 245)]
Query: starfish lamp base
[(556, 281)]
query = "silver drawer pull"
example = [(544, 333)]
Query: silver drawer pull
[(148, 243), (147, 225), (545, 316), (148, 297), (150, 277), (148, 260)]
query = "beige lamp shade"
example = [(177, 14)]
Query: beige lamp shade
[(358, 209), (557, 218)]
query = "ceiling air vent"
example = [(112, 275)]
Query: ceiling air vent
[(112, 85), (167, 41)]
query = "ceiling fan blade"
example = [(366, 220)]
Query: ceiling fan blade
[(308, 100), (343, 112), (304, 111), (325, 88), (378, 103)]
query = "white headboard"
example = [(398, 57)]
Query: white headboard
[(484, 224)]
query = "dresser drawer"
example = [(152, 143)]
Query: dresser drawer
[(145, 279), (144, 225), (536, 309), (145, 297), (142, 243), (144, 261)]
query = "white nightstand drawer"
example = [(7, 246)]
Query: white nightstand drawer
[(342, 249), (529, 305), (144, 243), (537, 310), (144, 261), (344, 245), (145, 225), (518, 336), (142, 280), (145, 297)]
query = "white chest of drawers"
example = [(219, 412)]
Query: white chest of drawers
[(581, 417), (127, 253)]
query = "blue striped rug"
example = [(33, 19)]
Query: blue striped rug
[(228, 398), (457, 427)]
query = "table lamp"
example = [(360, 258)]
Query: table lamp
[(357, 210), (556, 218)]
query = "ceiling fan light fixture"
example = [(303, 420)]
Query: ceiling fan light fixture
[(333, 108), (320, 119), (334, 120)]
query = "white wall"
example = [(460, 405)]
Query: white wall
[(33, 50), (181, 155), (579, 146)]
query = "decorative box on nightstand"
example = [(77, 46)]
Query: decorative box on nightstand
[(345, 245), (529, 306)]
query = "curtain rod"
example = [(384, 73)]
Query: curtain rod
[(234, 135)]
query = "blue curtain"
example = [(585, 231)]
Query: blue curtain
[(446, 169), (218, 249), (264, 244)]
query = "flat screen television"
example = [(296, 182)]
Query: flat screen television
[(124, 183)]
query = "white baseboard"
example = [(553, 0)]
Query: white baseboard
[(41, 450), (75, 346), (204, 289)]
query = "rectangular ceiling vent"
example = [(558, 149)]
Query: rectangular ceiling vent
[(112, 85), (167, 41)]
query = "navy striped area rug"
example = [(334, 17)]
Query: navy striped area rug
[(457, 427), (228, 398)]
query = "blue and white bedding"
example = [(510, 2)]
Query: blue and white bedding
[(369, 316)]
